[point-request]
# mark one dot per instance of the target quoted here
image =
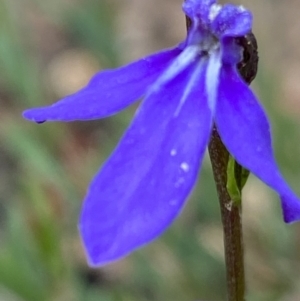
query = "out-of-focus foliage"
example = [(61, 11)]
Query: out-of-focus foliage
[(51, 48)]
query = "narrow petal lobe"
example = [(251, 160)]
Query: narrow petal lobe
[(198, 8), (245, 131), (233, 21), (108, 92), (143, 185)]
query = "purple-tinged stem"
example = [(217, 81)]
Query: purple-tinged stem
[(231, 220), (231, 211)]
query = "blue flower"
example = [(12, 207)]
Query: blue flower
[(143, 185)]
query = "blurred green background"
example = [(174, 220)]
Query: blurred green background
[(51, 48)]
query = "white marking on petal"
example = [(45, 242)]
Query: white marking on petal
[(178, 65), (212, 78), (173, 152), (241, 8), (214, 11), (184, 166), (189, 86)]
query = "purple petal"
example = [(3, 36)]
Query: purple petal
[(232, 21), (245, 131), (198, 9), (143, 185), (232, 53), (108, 92)]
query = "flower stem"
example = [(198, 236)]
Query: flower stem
[(231, 210), (231, 219)]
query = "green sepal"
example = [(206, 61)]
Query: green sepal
[(244, 176), (236, 179)]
